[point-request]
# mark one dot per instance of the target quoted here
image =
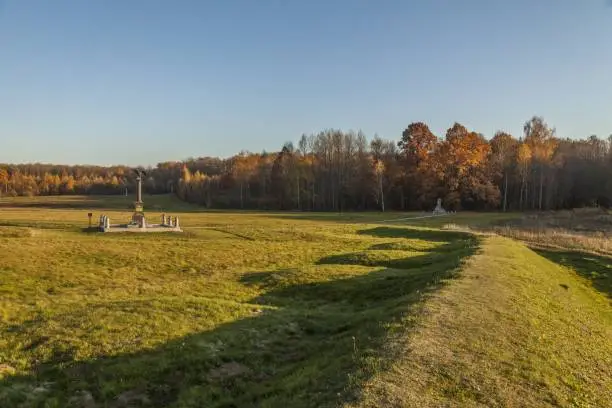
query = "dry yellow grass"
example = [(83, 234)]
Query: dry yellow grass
[(559, 238)]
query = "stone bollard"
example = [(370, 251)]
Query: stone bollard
[(176, 222), (163, 219), (143, 222), (169, 221), (106, 222)]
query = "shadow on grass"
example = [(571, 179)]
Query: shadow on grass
[(596, 268), (349, 217), (422, 234), (305, 345), (376, 257)]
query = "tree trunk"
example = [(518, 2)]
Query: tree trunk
[(313, 195), (382, 194), (333, 197), (541, 187), (298, 191), (263, 193), (248, 192), (534, 192), (241, 197), (505, 190), (521, 193)]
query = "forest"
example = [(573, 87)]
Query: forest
[(337, 170)]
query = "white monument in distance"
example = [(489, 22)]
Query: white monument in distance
[(439, 209)]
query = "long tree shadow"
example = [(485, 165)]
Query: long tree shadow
[(305, 345), (415, 233), (327, 216), (596, 268), (383, 255)]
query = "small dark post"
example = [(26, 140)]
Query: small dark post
[(89, 215)]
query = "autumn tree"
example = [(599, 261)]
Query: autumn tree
[(462, 159), (244, 166), (541, 140), (342, 170), (523, 159), (503, 149), (379, 169), (280, 177), (185, 184), (418, 145), (4, 179)]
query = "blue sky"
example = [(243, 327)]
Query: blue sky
[(142, 81)]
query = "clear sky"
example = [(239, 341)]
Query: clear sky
[(142, 81)]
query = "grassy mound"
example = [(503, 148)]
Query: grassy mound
[(515, 330)]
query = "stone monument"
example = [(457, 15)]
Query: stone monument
[(138, 222), (439, 209), (138, 217)]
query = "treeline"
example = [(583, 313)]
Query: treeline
[(338, 171)]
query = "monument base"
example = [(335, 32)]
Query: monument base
[(138, 218), (139, 224), (136, 228)]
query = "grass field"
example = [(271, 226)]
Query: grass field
[(249, 309)]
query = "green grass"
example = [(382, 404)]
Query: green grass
[(240, 310), (596, 268), (413, 218), (249, 309), (516, 330)]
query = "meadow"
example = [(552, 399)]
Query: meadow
[(248, 309)]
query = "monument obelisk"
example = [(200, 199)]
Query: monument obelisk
[(138, 216)]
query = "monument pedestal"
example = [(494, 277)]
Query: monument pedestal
[(138, 217)]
